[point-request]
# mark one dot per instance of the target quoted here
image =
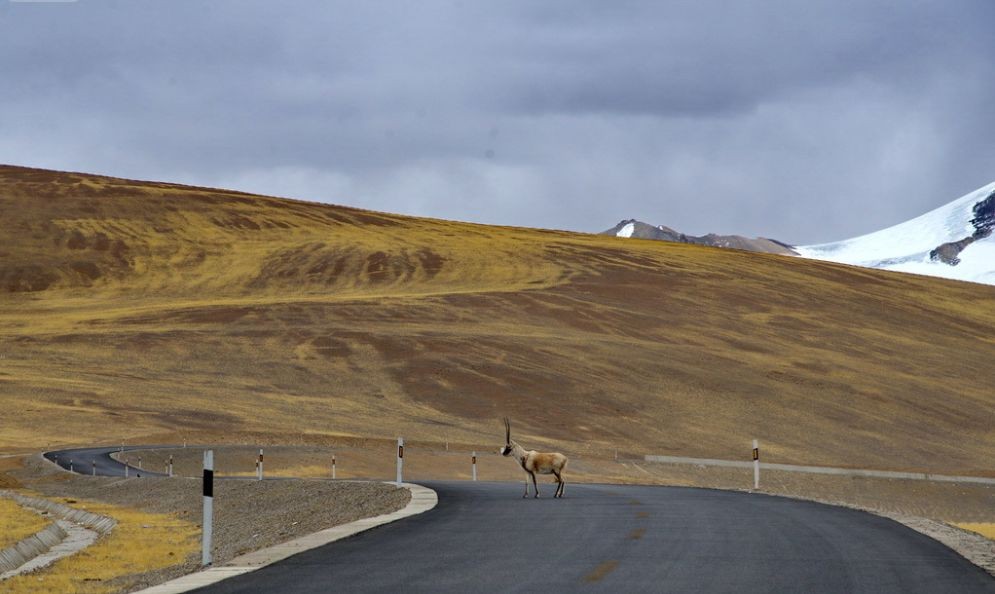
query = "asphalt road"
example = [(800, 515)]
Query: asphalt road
[(483, 537), (85, 460)]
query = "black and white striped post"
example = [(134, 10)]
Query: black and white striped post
[(756, 464), (473, 460), (259, 466), (208, 507), (400, 459)]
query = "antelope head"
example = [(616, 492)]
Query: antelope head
[(506, 450)]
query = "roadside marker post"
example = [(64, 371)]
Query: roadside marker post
[(70, 465), (208, 507), (139, 463), (756, 464), (400, 459), (94, 468), (170, 472), (333, 466), (125, 468), (259, 466), (473, 459)]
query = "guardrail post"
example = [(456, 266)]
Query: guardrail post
[(400, 460), (756, 464), (208, 524)]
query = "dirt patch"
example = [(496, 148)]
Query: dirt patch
[(26, 278)]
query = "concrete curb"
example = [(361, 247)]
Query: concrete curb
[(422, 500)]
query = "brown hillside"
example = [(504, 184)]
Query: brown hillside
[(136, 309)]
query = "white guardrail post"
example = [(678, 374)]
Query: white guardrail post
[(400, 460), (756, 464), (208, 527)]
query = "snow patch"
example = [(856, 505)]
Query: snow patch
[(627, 230), (906, 247)]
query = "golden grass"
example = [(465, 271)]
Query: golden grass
[(204, 315), (140, 542), (985, 529), (18, 523)]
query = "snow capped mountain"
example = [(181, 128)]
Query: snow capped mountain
[(954, 241)]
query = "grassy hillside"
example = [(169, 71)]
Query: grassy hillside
[(135, 309)]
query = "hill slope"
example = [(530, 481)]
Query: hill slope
[(133, 309)]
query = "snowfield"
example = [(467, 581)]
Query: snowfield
[(906, 247)]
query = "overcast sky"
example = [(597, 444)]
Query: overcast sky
[(802, 121)]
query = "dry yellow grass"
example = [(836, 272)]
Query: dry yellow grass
[(141, 542), (147, 312), (985, 529), (17, 523)]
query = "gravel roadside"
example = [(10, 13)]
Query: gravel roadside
[(248, 514)]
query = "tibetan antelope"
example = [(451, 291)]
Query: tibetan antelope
[(535, 462)]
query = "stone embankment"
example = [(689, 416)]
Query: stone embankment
[(72, 530)]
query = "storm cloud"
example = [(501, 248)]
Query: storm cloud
[(805, 122)]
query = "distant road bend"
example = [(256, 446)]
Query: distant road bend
[(86, 460), (483, 537)]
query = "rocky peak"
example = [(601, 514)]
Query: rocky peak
[(984, 223)]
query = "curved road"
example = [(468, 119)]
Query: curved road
[(84, 460), (483, 537)]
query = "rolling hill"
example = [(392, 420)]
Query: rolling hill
[(141, 311)]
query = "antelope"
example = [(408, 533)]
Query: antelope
[(535, 462)]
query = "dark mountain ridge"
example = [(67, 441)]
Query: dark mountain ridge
[(640, 230)]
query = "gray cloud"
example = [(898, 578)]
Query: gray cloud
[(804, 122)]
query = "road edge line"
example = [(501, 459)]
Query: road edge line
[(422, 500)]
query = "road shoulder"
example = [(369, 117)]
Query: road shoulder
[(422, 499)]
